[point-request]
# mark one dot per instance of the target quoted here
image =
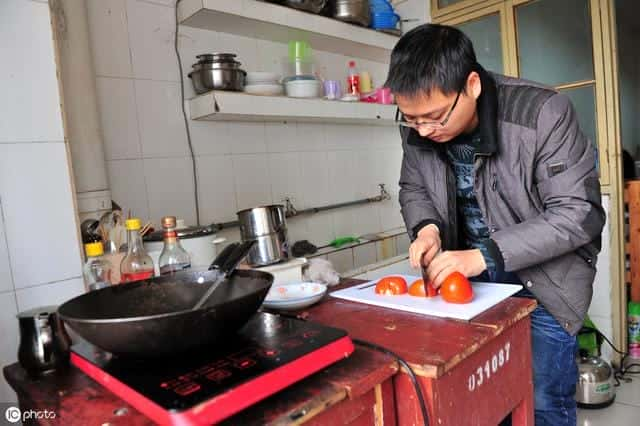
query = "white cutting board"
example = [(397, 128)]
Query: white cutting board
[(485, 295)]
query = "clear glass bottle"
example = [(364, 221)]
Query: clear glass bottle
[(137, 264), (173, 257), (96, 270)]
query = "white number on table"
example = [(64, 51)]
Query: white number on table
[(491, 366)]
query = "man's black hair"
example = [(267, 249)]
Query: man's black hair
[(431, 57)]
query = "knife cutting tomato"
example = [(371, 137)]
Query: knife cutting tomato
[(420, 289)]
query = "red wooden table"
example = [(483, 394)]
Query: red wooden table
[(471, 373)]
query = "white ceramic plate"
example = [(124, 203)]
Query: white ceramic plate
[(264, 89), (294, 296)]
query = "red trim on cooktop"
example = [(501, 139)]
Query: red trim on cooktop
[(232, 401)]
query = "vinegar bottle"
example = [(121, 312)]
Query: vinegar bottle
[(137, 264)]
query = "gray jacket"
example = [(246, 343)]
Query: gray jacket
[(536, 184)]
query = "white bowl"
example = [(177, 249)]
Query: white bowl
[(264, 89), (259, 77), (303, 88)]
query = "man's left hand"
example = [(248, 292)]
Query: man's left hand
[(468, 262)]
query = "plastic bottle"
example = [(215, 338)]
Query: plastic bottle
[(353, 81), (137, 264), (96, 270), (173, 257), (633, 321)]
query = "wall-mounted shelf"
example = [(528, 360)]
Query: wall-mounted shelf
[(234, 106), (256, 19)]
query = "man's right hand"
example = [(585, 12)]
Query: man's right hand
[(425, 247)]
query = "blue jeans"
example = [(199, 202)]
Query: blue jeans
[(555, 372)]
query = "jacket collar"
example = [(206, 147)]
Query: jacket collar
[(487, 119)]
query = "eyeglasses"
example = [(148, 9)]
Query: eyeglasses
[(402, 121)]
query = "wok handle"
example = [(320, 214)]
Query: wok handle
[(223, 256), (239, 253)]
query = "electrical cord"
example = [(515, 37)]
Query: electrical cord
[(622, 371), (409, 370), (184, 116), (401, 361)]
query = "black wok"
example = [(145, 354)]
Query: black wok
[(154, 317)]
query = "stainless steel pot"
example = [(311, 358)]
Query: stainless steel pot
[(205, 80), (314, 6), (269, 249), (259, 221), (266, 225), (354, 11)]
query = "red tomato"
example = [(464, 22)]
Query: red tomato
[(456, 288), (417, 289), (391, 286)]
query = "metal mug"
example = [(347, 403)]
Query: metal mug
[(44, 342)]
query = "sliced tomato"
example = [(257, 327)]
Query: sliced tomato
[(417, 289), (391, 286), (456, 288)]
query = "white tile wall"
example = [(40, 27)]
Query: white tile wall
[(252, 180), (342, 260), (364, 254), (109, 37), (37, 201), (119, 118), (6, 279), (151, 38), (240, 164), (217, 189), (128, 186), (403, 242), (314, 179), (281, 137), (285, 173), (247, 138), (386, 248), (10, 339), (170, 179), (161, 123), (30, 107), (342, 176), (210, 137), (38, 224), (49, 294)]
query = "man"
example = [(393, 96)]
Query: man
[(499, 183)]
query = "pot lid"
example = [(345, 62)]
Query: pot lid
[(183, 233)]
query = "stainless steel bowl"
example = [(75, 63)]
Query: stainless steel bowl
[(207, 79), (313, 6), (216, 65), (216, 57), (354, 11)]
